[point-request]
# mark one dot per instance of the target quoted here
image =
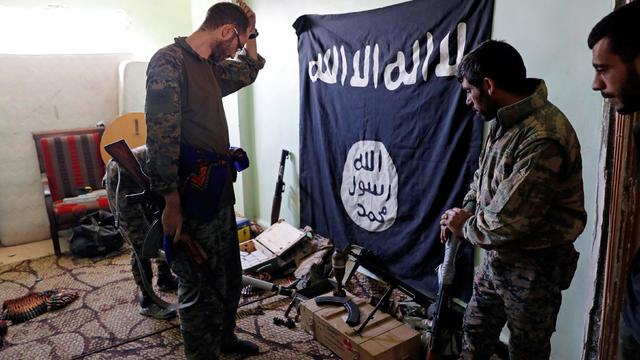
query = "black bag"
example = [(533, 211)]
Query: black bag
[(95, 234)]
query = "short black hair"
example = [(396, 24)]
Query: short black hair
[(226, 13), (496, 60), (621, 28)]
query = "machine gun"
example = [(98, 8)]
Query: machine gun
[(371, 262), (277, 197), (375, 265), (446, 308)]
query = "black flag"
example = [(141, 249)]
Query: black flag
[(387, 143)]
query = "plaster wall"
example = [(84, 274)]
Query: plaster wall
[(47, 92), (551, 36)]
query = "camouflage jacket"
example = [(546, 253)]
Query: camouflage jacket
[(527, 192), (169, 107)]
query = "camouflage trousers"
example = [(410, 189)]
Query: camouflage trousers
[(135, 227), (628, 346), (211, 320), (132, 219), (524, 293)]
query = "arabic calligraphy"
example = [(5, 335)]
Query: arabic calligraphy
[(370, 215), (370, 185), (368, 189), (327, 65)]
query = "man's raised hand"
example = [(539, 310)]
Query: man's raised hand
[(250, 14)]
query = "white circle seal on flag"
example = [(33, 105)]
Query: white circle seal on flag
[(369, 189)]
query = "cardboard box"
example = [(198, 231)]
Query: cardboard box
[(266, 247), (244, 234), (243, 226), (384, 338)]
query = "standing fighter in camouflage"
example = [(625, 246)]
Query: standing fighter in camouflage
[(615, 46), (134, 222), (525, 206), (188, 144)]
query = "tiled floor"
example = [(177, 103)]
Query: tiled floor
[(34, 250)]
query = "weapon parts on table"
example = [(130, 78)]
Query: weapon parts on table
[(365, 258), (338, 261)]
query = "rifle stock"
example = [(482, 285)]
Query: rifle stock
[(277, 197), (275, 209), (121, 152)]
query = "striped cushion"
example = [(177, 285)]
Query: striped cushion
[(72, 162), (67, 213)]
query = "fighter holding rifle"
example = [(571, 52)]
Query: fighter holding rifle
[(525, 206)]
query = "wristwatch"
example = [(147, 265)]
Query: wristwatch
[(254, 35)]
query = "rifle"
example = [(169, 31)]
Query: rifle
[(441, 323), (122, 154), (376, 266), (277, 197)]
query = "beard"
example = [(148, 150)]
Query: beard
[(489, 108), (219, 50), (490, 112), (630, 93)]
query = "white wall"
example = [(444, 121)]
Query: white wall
[(551, 36), (153, 23), (61, 92), (45, 92)]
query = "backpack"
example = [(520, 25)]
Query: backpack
[(95, 234)]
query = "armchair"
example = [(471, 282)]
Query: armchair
[(69, 162)]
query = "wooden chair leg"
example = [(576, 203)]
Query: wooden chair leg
[(55, 240)]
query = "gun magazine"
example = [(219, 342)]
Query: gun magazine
[(354, 313)]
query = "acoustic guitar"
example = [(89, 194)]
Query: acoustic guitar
[(131, 127)]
